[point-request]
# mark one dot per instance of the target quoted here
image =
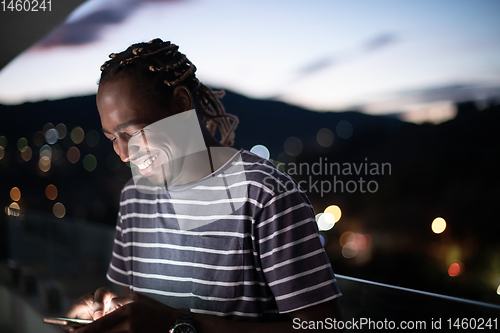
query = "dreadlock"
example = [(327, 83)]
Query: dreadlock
[(158, 67)]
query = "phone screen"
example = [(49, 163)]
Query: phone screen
[(66, 321)]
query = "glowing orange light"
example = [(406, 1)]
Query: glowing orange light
[(346, 237), (15, 194), (51, 192), (454, 269), (335, 211), (350, 250)]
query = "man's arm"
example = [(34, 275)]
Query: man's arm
[(138, 313)]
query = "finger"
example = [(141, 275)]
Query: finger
[(82, 308), (102, 297), (112, 323), (118, 302)]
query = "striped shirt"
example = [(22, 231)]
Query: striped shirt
[(263, 256)]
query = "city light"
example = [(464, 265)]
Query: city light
[(261, 151), (498, 290), (15, 194), (59, 210), (344, 129), (21, 143), (326, 221), (89, 162), (51, 192), (73, 155), (324, 137), (92, 138), (454, 269), (26, 153), (350, 250), (44, 163), (438, 225), (293, 146), (77, 135), (13, 210), (61, 129), (335, 211), (51, 136)]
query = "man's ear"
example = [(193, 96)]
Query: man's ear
[(182, 99)]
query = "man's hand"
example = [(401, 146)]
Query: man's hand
[(133, 313), (90, 306)]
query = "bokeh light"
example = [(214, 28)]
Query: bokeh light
[(38, 138), (293, 146), (498, 290), (438, 225), (89, 162), (46, 127), (325, 137), (454, 269), (26, 153), (59, 210), (51, 136), (322, 240), (92, 138), (344, 129), (51, 192), (2, 152), (73, 155), (13, 209), (46, 151), (77, 135), (346, 238), (15, 194), (350, 250), (261, 151), (335, 211), (44, 163), (3, 141), (62, 130), (21, 143), (326, 221)]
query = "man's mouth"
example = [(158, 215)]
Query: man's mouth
[(146, 163)]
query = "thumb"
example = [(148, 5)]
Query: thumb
[(102, 297)]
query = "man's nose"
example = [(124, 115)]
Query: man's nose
[(122, 151)]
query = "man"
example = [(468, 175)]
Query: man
[(202, 244)]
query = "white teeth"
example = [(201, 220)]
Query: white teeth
[(147, 163)]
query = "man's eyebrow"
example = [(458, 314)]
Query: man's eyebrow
[(122, 126)]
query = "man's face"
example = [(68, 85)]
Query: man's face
[(124, 113)]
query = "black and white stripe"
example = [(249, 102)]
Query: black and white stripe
[(263, 258)]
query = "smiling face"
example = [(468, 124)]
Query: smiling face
[(124, 113)]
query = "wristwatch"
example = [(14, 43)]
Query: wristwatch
[(183, 324)]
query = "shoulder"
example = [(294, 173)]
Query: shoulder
[(264, 171)]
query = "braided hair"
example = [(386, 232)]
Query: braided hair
[(158, 67)]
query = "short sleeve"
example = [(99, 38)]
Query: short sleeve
[(117, 271), (292, 257)]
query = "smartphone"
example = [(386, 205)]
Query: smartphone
[(66, 321)]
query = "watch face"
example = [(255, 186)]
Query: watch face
[(184, 328)]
